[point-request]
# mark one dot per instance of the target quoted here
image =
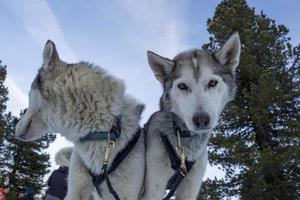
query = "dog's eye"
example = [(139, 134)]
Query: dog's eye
[(212, 83), (182, 86)]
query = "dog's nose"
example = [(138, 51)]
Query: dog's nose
[(201, 119)]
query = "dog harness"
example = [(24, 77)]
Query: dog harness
[(110, 136), (178, 159), (178, 163)]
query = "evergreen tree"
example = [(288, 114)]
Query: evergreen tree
[(29, 163), (22, 164), (257, 141), (3, 100)]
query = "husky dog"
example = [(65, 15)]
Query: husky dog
[(78, 99), (196, 86)]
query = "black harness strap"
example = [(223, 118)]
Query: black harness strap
[(99, 178), (108, 183), (177, 178)]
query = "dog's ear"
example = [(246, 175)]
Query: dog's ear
[(230, 52), (49, 55), (139, 109), (161, 66)]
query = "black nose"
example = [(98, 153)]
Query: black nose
[(201, 119)]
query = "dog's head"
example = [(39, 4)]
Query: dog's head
[(69, 99), (197, 84)]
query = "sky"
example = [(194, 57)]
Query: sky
[(114, 35)]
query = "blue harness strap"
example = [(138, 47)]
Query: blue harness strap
[(113, 134), (99, 136)]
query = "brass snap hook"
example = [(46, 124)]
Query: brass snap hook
[(181, 151), (107, 150)]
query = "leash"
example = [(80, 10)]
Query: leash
[(179, 163)]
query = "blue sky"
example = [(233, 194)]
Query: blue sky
[(113, 34)]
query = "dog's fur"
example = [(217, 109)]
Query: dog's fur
[(63, 156), (75, 99), (196, 70)]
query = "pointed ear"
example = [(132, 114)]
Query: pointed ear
[(230, 52), (139, 109), (50, 54), (160, 66)]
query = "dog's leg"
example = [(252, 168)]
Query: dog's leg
[(190, 186), (158, 172), (79, 181), (155, 184)]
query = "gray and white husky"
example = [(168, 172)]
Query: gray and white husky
[(196, 86), (77, 99)]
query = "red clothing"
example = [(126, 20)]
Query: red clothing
[(2, 194)]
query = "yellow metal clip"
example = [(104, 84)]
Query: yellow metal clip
[(180, 150), (107, 149)]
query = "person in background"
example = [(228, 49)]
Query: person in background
[(3, 193), (57, 182), (28, 194)]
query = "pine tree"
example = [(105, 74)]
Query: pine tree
[(257, 141), (29, 162), (3, 100), (22, 164)]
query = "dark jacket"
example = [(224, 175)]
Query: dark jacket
[(58, 183), (28, 194)]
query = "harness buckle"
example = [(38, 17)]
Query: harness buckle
[(181, 151)]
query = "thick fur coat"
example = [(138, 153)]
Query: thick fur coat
[(75, 99), (196, 86)]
